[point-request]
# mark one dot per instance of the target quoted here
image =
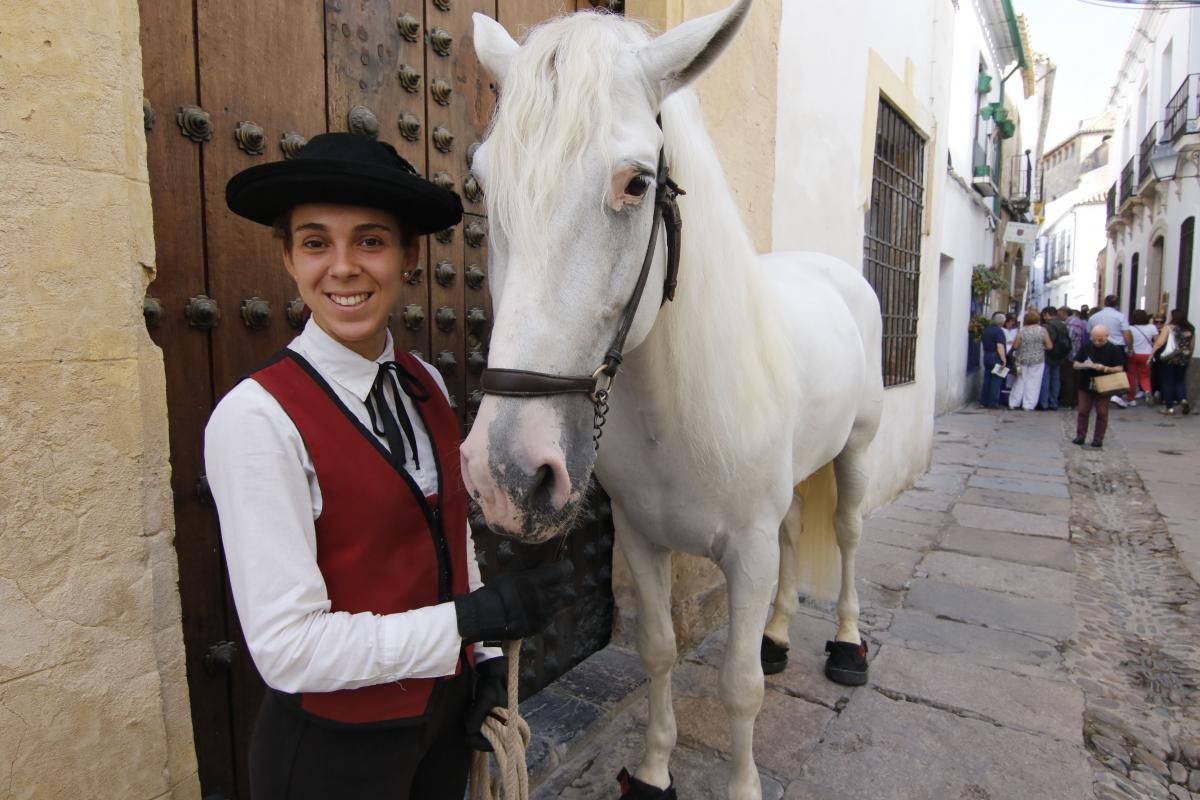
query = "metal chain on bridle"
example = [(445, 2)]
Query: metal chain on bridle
[(598, 385)]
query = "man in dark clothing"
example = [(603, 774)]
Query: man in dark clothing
[(994, 352), (1055, 358), (1077, 333), (1100, 357)]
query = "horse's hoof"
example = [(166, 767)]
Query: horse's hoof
[(847, 663), (774, 656), (633, 789)]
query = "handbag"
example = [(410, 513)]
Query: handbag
[(1110, 384), (1169, 347)]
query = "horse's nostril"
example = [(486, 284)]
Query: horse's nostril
[(541, 487)]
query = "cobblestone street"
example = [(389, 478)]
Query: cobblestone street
[(1032, 609)]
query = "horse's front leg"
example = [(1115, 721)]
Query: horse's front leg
[(650, 566), (750, 564)]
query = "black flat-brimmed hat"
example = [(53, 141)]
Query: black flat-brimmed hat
[(347, 169)]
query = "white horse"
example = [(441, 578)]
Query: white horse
[(759, 374)]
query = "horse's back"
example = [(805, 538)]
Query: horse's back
[(832, 315)]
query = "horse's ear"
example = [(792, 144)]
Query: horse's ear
[(494, 47), (677, 57)]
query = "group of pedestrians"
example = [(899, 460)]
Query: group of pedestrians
[(1053, 357)]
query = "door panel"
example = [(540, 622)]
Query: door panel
[(169, 51), (269, 76)]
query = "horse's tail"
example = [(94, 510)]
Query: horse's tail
[(819, 564), (809, 559)]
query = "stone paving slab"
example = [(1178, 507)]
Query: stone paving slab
[(1022, 465), (927, 500), (698, 775), (999, 519), (932, 519), (921, 631), (1026, 580), (991, 609), (888, 750), (1059, 507), (888, 566), (1035, 550), (1019, 485), (987, 471), (952, 682), (804, 676), (941, 482), (899, 533), (785, 727), (956, 453)]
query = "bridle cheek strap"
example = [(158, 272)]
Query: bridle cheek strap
[(526, 383)]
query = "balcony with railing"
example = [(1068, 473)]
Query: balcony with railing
[(1024, 188), (1183, 110), (1112, 203), (1144, 151), (1127, 174)]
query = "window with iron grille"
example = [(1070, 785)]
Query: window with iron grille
[(892, 245)]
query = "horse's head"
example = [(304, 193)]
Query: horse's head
[(569, 173)]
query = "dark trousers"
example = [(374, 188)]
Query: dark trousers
[(1051, 385), (1087, 401), (989, 394), (1069, 393), (297, 757), (1174, 383)]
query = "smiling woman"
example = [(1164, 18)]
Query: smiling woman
[(348, 263), (343, 514)]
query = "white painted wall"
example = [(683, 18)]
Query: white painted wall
[(932, 49), (1162, 212)]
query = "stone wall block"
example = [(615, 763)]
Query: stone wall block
[(65, 64), (85, 731), (71, 272)]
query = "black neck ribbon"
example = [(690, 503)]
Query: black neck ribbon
[(395, 428)]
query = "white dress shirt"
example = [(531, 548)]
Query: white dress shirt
[(268, 501)]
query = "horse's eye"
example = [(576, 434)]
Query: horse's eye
[(638, 186)]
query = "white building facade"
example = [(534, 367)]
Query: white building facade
[(1076, 174), (904, 108), (1154, 195)]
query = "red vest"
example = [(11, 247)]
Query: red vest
[(382, 546)]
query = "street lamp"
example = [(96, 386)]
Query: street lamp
[(1164, 162)]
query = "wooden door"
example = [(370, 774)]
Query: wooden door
[(232, 84)]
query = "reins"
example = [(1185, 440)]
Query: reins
[(597, 386)]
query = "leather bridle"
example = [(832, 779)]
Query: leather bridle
[(526, 383)]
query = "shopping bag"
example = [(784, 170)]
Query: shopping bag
[(1110, 384)]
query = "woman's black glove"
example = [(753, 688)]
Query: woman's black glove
[(516, 604), (491, 690)]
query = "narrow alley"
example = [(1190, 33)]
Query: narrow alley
[(1031, 609)]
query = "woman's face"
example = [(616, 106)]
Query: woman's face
[(348, 262)]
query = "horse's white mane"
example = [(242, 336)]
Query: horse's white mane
[(726, 350)]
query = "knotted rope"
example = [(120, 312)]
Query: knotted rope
[(508, 734)]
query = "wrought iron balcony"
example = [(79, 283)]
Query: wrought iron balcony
[(1144, 151), (1112, 203), (1127, 180), (1024, 187), (1183, 111)]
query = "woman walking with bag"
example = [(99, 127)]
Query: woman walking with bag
[(1097, 357), (1031, 344), (1178, 339), (1144, 335)]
